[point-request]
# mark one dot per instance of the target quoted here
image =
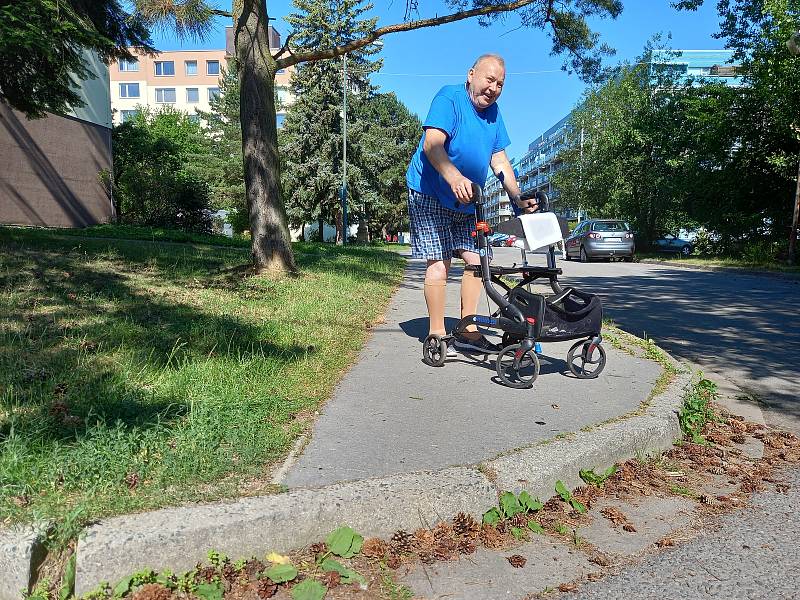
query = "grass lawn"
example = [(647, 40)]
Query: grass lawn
[(136, 374), (719, 261)]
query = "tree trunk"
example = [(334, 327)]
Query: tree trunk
[(271, 244), (321, 228)]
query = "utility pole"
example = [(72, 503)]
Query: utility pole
[(793, 234), (343, 193)]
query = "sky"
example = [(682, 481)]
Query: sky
[(537, 92)]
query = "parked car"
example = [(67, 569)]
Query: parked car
[(600, 238), (497, 239), (673, 244)]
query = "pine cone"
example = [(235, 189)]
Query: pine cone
[(393, 562), (152, 591), (466, 526), (519, 520), (490, 537), (466, 546), (442, 530), (446, 549), (265, 588), (402, 542), (424, 541), (331, 579), (517, 561), (427, 557), (374, 548), (318, 548)]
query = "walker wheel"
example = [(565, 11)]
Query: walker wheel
[(517, 371), (434, 351), (586, 364)]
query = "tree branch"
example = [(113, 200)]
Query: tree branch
[(220, 13), (294, 59), (285, 47)]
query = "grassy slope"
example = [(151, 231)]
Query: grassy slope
[(137, 374)]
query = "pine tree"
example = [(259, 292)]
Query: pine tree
[(313, 130), (224, 135)]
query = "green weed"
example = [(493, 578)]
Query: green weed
[(696, 410)]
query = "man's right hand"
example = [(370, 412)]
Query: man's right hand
[(462, 189)]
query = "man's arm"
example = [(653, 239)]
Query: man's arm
[(433, 146), (503, 170)]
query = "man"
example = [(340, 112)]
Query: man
[(463, 135)]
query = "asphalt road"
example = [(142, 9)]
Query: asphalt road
[(744, 327)]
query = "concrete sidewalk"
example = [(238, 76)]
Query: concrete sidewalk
[(394, 414)]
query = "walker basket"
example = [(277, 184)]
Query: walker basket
[(531, 305), (576, 315)]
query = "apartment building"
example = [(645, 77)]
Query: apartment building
[(54, 170), (186, 80), (543, 159)]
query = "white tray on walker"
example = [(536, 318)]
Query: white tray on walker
[(538, 231)]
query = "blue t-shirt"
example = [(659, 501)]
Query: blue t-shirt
[(472, 138)]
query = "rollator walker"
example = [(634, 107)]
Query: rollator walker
[(525, 317)]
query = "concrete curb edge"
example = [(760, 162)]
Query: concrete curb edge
[(119, 546)]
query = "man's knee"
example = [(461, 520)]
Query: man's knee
[(471, 258), (437, 270)]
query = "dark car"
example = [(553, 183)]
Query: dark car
[(672, 244), (600, 238)]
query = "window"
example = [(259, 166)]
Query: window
[(213, 93), (192, 95), (165, 95), (283, 95), (194, 118), (191, 67), (128, 65), (610, 226), (212, 67), (127, 115), (128, 90), (165, 67)]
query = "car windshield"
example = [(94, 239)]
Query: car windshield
[(610, 226)]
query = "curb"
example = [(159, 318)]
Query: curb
[(21, 553), (122, 545), (739, 270)]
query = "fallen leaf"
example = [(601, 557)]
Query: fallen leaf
[(277, 559)]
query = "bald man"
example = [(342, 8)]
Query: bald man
[(463, 136)]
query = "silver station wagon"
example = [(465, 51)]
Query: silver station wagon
[(600, 238)]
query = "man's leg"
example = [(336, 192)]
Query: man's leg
[(435, 294), (471, 287), (431, 239)]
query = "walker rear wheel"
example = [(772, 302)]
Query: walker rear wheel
[(585, 363), (517, 371), (434, 351)]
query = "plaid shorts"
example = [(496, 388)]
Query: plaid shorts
[(438, 233)]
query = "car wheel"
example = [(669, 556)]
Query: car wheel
[(628, 258), (566, 254), (686, 250), (584, 256)]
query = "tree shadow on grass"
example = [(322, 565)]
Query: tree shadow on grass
[(61, 349)]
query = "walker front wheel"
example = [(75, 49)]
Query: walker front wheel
[(434, 351), (517, 369), (586, 360)]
